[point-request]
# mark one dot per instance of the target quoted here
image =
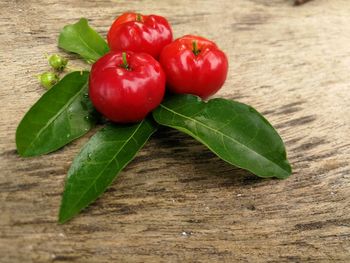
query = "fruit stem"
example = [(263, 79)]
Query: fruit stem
[(138, 18), (195, 49), (125, 62)]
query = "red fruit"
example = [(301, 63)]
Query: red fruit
[(139, 33), (126, 86), (194, 65)]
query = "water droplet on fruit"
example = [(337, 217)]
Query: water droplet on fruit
[(86, 95), (87, 118)]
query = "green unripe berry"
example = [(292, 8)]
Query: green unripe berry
[(48, 79), (57, 62)]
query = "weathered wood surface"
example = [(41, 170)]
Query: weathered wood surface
[(177, 202)]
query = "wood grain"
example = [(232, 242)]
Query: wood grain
[(301, 2), (177, 202)]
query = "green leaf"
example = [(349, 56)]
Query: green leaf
[(99, 162), (235, 132), (80, 38), (61, 115)]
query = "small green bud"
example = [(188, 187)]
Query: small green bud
[(48, 79), (57, 62)]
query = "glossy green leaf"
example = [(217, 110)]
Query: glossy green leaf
[(99, 162), (235, 132), (61, 115), (80, 38)]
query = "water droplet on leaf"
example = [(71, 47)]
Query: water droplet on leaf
[(83, 105)]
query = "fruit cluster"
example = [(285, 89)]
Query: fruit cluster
[(58, 64), (129, 77), (130, 81)]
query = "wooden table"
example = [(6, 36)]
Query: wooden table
[(177, 202)]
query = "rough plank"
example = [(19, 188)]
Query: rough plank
[(177, 202)]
